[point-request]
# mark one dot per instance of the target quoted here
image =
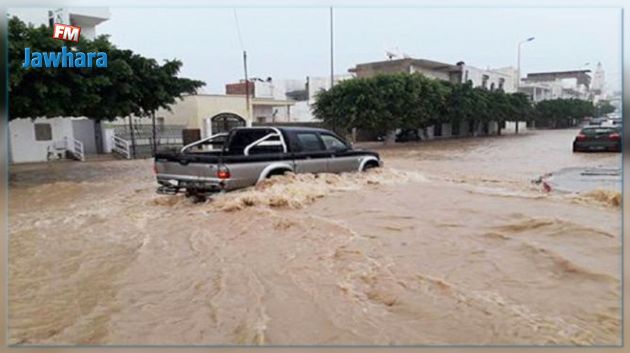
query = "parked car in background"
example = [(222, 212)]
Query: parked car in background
[(596, 121), (408, 135), (613, 122), (598, 138)]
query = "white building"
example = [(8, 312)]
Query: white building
[(301, 93), (598, 84), (503, 78), (39, 139), (85, 17), (491, 79), (565, 84)]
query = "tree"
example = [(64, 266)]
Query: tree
[(45, 93), (382, 103), (520, 108), (562, 113), (603, 107), (132, 84), (387, 102), (158, 87)]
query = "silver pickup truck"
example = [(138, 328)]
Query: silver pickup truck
[(245, 156)]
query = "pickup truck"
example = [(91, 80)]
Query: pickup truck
[(244, 156)]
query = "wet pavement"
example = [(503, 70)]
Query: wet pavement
[(450, 243), (580, 180)]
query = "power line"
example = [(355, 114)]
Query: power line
[(238, 30)]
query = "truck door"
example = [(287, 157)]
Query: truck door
[(310, 155), (342, 158)]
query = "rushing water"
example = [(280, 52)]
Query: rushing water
[(451, 243)]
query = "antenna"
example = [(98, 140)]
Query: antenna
[(394, 53)]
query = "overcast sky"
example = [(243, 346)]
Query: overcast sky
[(294, 42)]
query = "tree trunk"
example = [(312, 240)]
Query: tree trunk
[(154, 133), (390, 137), (133, 138), (516, 127), (98, 136)]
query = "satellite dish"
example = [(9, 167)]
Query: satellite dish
[(393, 53)]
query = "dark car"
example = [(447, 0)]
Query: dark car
[(597, 138), (596, 121), (408, 135)]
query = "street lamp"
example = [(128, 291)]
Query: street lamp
[(518, 70)]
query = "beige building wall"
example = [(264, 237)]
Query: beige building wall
[(208, 106), (184, 112), (195, 112)]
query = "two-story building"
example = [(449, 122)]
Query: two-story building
[(579, 84), (492, 79), (460, 72)]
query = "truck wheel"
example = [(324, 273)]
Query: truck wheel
[(370, 165), (195, 196), (277, 172)]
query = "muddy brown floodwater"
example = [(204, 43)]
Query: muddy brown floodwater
[(449, 244)]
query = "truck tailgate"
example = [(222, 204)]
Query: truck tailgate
[(186, 166)]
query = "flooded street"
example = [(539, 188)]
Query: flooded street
[(450, 243)]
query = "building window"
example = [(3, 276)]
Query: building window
[(261, 119), (43, 132), (501, 83), (484, 81)]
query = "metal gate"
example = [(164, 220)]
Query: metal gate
[(226, 121)]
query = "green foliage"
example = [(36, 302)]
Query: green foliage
[(382, 103), (386, 102), (604, 107), (559, 113), (132, 84)]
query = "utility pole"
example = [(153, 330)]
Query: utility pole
[(246, 85), (154, 132), (332, 48), (332, 67), (518, 70)]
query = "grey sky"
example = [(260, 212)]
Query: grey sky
[(294, 42)]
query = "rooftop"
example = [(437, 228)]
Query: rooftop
[(429, 64)]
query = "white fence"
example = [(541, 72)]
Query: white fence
[(121, 146), (75, 147)]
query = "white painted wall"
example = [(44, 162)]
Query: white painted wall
[(301, 112), (108, 143), (85, 17), (510, 127), (263, 111), (476, 76), (24, 148)]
